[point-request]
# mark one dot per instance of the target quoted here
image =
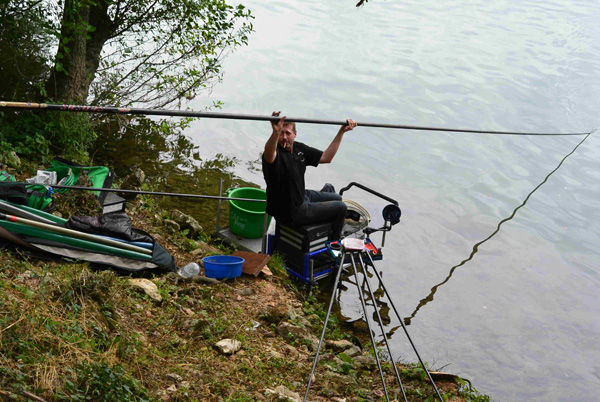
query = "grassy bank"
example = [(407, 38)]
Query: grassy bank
[(68, 332)]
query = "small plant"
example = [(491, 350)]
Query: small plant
[(313, 306), (414, 372), (347, 366), (100, 382), (183, 242), (467, 391), (276, 265)]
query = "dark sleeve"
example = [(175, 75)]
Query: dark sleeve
[(270, 170), (312, 155)]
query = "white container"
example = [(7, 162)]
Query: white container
[(43, 177), (189, 271)]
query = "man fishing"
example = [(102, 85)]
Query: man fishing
[(284, 164)]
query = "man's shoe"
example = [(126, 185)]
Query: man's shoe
[(328, 188)]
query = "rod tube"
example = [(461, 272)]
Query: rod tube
[(236, 116), (7, 208), (75, 233)]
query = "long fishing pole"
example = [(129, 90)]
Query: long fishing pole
[(236, 116), (118, 190)]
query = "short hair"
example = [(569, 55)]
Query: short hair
[(290, 123)]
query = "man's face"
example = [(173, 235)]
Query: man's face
[(287, 137)]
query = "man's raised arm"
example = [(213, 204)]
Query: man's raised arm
[(271, 145), (332, 149)]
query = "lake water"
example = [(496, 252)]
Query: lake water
[(519, 313)]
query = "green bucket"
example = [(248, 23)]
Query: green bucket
[(246, 218)]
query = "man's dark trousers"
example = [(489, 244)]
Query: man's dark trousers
[(322, 206)]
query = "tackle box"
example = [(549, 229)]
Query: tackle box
[(306, 238), (304, 249)]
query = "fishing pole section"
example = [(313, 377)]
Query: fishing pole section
[(140, 192), (237, 116), (356, 255)]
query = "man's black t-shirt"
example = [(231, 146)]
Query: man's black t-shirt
[(285, 179)]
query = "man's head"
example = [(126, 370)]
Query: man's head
[(288, 135)]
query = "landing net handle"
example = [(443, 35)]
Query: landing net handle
[(369, 190)]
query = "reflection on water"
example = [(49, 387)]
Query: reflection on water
[(347, 282), (378, 301), (434, 289), (170, 162)]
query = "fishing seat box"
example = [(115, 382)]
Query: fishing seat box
[(304, 249)]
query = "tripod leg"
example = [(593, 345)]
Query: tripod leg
[(404, 328), (364, 307), (385, 338), (335, 286)]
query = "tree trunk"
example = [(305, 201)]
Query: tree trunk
[(79, 50)]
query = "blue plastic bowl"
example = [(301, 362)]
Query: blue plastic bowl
[(223, 266)]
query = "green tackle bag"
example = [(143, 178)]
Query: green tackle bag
[(69, 173), (40, 197), (7, 177), (33, 195)]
